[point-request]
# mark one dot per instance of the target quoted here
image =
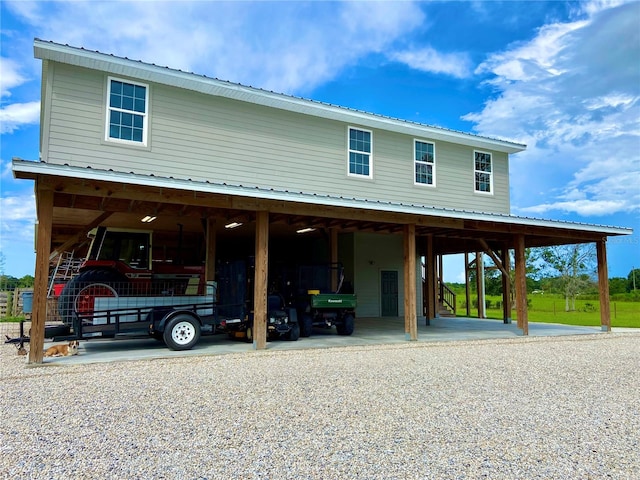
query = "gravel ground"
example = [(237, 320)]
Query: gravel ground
[(562, 407)]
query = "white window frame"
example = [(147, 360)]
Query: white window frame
[(481, 192), (416, 162), (145, 115), (350, 151)]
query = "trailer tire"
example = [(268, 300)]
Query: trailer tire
[(294, 333), (248, 334), (306, 327), (68, 297), (347, 326), (182, 332)]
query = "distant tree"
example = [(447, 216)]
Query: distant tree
[(574, 266), (618, 285), (26, 282), (493, 275), (633, 280)]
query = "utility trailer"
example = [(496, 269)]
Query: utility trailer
[(178, 321)]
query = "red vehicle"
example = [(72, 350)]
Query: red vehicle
[(120, 263)]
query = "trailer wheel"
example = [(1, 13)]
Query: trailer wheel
[(347, 326), (306, 327), (248, 337), (181, 332), (294, 333)]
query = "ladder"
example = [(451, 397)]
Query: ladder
[(66, 267)]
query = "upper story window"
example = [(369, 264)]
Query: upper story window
[(424, 156), (127, 111), (483, 172), (360, 148)]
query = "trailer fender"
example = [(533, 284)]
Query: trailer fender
[(162, 316)]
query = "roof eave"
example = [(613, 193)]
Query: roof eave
[(26, 169)]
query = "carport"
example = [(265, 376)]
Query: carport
[(72, 200)]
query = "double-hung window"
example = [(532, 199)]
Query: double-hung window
[(360, 148), (483, 172), (424, 156), (127, 111)]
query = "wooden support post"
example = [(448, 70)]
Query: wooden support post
[(260, 282), (334, 258), (430, 279), (521, 285), (506, 285), (210, 260), (410, 312), (44, 205), (466, 283), (479, 284), (603, 285)]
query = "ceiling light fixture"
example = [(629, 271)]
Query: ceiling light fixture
[(148, 219), (305, 230), (233, 225)]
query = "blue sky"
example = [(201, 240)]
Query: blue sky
[(561, 77)]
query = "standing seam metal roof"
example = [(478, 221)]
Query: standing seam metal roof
[(33, 167)]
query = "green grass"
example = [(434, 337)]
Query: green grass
[(550, 309), (11, 319)]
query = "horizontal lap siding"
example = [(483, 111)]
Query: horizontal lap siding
[(201, 137)]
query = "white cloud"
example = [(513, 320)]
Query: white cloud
[(17, 220), (429, 60), (289, 47), (572, 94), (16, 114), (10, 76)]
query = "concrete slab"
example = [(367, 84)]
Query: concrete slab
[(369, 331)]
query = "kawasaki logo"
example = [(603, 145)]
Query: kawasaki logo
[(331, 300)]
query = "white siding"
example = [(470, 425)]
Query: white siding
[(374, 253), (203, 137)]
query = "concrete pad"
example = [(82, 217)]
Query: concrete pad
[(369, 331)]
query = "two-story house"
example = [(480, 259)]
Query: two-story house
[(302, 180)]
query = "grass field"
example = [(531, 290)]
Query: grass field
[(550, 309)]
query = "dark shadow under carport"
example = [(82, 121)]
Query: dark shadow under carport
[(369, 331)]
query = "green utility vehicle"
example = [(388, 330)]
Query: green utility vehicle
[(316, 304)]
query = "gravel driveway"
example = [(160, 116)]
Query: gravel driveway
[(563, 407)]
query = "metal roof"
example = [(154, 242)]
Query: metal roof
[(47, 50), (41, 168)]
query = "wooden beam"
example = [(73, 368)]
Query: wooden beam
[(210, 260), (410, 306), (76, 239), (479, 284), (430, 275), (521, 285), (603, 285), (466, 283), (260, 282), (506, 285), (44, 206), (334, 257), (115, 190), (498, 263)]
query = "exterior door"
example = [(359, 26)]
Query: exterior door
[(389, 289)]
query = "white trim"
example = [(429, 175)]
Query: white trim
[(480, 192), (349, 151), (433, 164), (32, 167), (145, 115)]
